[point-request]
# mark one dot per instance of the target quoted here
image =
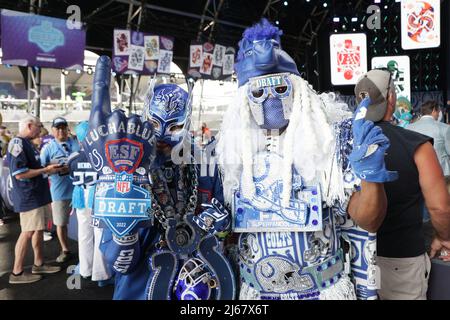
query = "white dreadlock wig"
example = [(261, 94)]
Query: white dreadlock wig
[(309, 145)]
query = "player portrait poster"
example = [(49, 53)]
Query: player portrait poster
[(196, 53), (136, 59), (218, 56), (151, 44), (142, 53), (228, 64), (121, 42), (165, 58), (399, 67), (207, 64), (421, 24), (211, 61), (348, 58)]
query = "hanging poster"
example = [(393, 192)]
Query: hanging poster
[(348, 58), (399, 67), (421, 24), (151, 44), (211, 61), (142, 53)]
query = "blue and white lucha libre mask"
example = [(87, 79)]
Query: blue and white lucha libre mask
[(166, 107), (194, 282)]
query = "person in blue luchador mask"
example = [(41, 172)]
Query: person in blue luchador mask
[(304, 180), (177, 255)]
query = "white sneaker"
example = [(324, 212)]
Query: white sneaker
[(47, 236)]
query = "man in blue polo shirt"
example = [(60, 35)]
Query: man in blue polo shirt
[(31, 197), (58, 151)]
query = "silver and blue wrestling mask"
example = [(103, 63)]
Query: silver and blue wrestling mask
[(266, 68), (271, 98), (167, 106)]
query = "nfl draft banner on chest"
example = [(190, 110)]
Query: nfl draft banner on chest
[(209, 61), (421, 24), (348, 58), (34, 40), (138, 52)]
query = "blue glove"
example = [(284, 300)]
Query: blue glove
[(369, 146), (115, 141), (120, 149), (215, 219)]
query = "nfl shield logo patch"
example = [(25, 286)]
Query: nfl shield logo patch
[(123, 182)]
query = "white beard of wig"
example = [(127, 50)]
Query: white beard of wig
[(309, 144)]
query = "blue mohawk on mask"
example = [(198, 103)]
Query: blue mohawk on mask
[(263, 30), (260, 53)]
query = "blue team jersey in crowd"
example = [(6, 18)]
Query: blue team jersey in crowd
[(81, 170), (58, 152), (28, 194)]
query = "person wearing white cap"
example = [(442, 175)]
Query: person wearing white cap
[(401, 253)]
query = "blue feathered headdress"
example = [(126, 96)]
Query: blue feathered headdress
[(260, 53)]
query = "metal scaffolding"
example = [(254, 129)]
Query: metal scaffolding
[(128, 88), (211, 12), (308, 45), (34, 74), (270, 11)]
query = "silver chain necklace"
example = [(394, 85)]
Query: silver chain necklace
[(191, 205)]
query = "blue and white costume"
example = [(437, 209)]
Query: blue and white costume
[(284, 155), (179, 255)]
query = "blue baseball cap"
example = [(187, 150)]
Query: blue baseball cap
[(59, 121)]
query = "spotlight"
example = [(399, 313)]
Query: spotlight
[(354, 29), (89, 70), (64, 72), (385, 6), (277, 22), (377, 1), (336, 19), (335, 30), (78, 71), (362, 25), (354, 19), (325, 4), (285, 3)]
